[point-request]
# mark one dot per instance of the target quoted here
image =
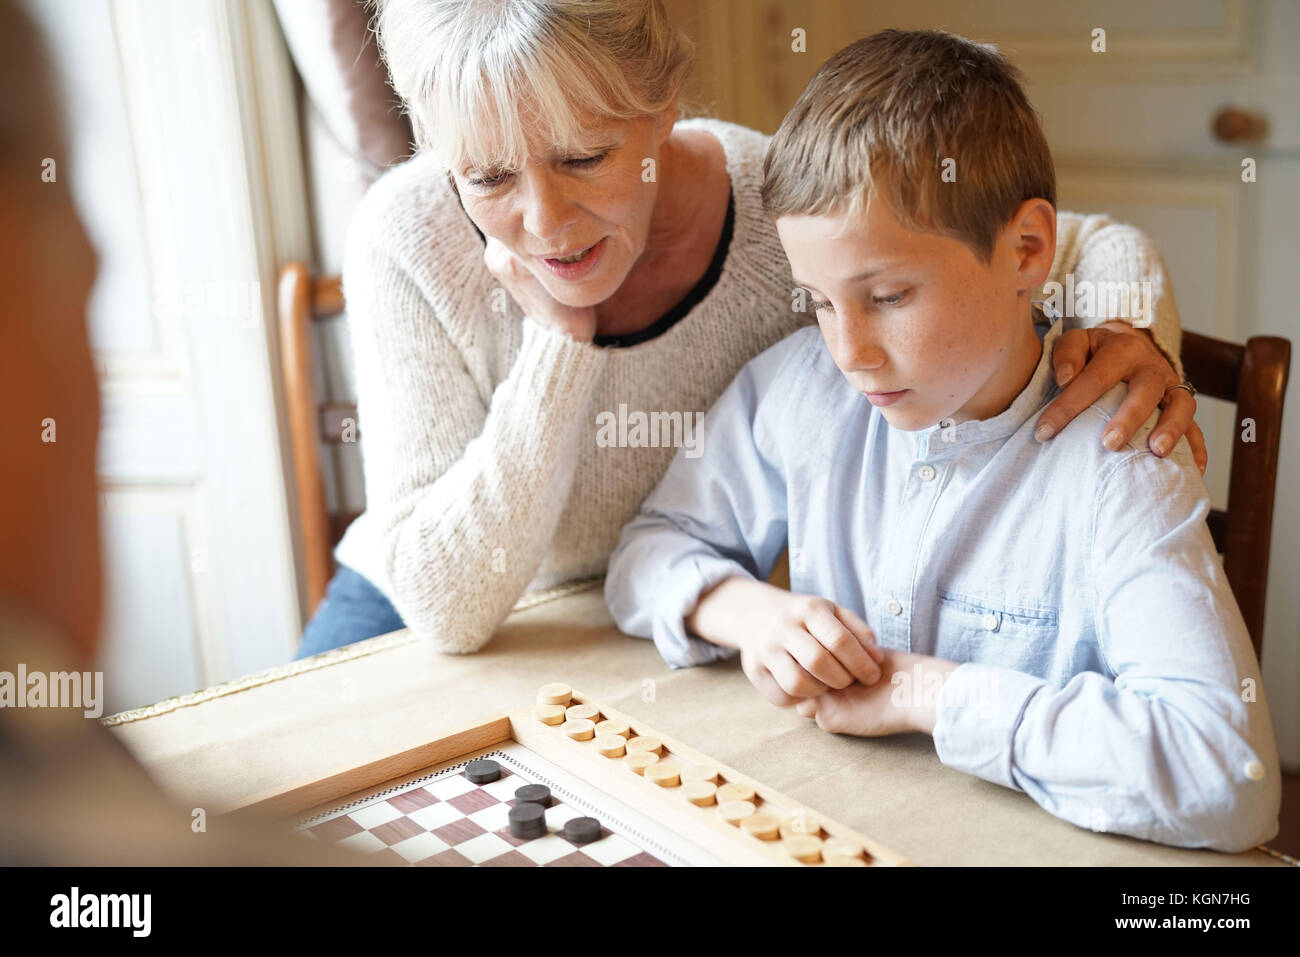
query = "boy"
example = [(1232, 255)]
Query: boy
[(1054, 631)]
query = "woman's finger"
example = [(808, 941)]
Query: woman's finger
[(1145, 391), (1177, 420), (1069, 355), (1196, 439), (1116, 357)]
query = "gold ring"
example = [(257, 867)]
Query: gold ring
[(1191, 389)]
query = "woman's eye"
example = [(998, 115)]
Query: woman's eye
[(494, 179), (894, 300), (588, 162)]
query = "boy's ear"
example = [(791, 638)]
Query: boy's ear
[(1032, 234)]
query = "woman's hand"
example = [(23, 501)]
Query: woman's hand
[(539, 305), (1089, 362)]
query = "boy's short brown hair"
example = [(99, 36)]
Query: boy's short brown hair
[(881, 117)]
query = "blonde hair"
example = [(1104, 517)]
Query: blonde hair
[(483, 78), (882, 117)]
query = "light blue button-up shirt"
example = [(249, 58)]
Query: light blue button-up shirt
[(1106, 669)]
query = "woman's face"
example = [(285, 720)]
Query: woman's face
[(591, 206)]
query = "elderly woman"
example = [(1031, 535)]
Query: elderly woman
[(564, 251)]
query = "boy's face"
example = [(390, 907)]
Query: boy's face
[(916, 321)]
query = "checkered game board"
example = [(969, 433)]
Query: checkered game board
[(444, 820)]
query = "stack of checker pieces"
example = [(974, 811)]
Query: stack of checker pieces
[(797, 831)]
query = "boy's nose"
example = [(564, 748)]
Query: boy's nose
[(855, 351)]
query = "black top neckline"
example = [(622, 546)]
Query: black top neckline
[(692, 298)]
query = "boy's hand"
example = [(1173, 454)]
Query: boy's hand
[(791, 646), (886, 707)]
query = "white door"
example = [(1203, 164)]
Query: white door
[(183, 150)]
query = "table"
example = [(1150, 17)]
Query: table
[(306, 719)]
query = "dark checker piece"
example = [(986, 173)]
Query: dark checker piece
[(534, 794), (582, 830), (527, 820), (482, 771)]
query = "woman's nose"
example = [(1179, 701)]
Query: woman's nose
[(547, 210)]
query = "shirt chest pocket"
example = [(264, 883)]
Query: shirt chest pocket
[(994, 632)]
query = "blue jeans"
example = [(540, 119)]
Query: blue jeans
[(352, 610)]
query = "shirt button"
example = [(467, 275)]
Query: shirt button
[(894, 608), (989, 621), (926, 472), (1255, 770)]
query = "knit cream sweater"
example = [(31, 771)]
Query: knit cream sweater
[(488, 466)]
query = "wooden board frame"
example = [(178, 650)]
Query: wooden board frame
[(701, 825)]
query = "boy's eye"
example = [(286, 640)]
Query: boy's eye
[(894, 300)]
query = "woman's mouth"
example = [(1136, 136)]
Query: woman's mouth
[(576, 264)]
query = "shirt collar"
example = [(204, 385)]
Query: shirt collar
[(942, 438)]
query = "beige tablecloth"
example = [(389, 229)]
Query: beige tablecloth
[(346, 707)]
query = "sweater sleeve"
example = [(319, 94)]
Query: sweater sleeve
[(469, 492), (1124, 277)]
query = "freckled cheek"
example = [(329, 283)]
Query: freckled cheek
[(936, 350)]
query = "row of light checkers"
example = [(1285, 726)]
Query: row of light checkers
[(799, 831)]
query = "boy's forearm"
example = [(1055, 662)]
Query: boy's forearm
[(922, 706), (724, 614)]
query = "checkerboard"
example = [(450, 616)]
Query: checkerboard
[(444, 820)]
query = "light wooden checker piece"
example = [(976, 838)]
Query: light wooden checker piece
[(669, 803)]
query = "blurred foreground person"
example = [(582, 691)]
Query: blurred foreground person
[(70, 793)]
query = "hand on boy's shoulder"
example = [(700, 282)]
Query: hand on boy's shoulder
[(1087, 432)]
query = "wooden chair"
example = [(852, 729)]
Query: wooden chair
[(1254, 376), (304, 299)]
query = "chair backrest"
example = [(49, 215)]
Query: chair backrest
[(1254, 376), (304, 299)]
